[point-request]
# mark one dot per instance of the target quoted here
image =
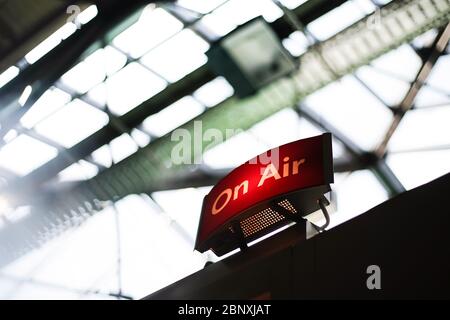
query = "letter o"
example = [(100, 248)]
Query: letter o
[(228, 192)]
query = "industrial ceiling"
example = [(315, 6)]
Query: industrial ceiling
[(57, 206)]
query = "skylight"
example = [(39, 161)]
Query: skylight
[(48, 103), (24, 154), (131, 86), (7, 75), (296, 43), (154, 25), (81, 170), (102, 156), (410, 170), (362, 118), (122, 147), (236, 12), (390, 89), (173, 116), (336, 20), (178, 56), (93, 69), (422, 128), (214, 92), (186, 210), (242, 146), (72, 123), (51, 42), (200, 6)]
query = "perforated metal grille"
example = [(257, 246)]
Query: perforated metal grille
[(287, 205), (264, 219)]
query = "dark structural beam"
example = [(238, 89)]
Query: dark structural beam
[(361, 159), (439, 46)]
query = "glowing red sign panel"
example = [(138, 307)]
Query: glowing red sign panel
[(297, 165)]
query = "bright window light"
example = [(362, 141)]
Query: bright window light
[(186, 210), (430, 97), (292, 4), (24, 154), (51, 42), (98, 94), (403, 62), (425, 39), (296, 43), (200, 6), (81, 170), (242, 146), (178, 56), (336, 20), (390, 89), (153, 27), (10, 135), (146, 234), (362, 118), (83, 260), (353, 197), (236, 12), (440, 75), (131, 86), (122, 147), (7, 75), (25, 95), (49, 102), (72, 123), (291, 130), (102, 156), (214, 92), (422, 128), (87, 14), (93, 69), (173, 116), (405, 166), (141, 138)]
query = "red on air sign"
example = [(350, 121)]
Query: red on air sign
[(299, 165)]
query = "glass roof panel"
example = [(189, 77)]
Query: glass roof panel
[(122, 147), (24, 154), (7, 75), (173, 116), (362, 118), (440, 75), (352, 198), (81, 170), (102, 156), (422, 128), (64, 126), (154, 25), (178, 56), (242, 146), (200, 6), (236, 12), (52, 100), (186, 210), (214, 92), (428, 97), (292, 4), (402, 62), (296, 43), (416, 168), (390, 89), (131, 86), (336, 20)]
